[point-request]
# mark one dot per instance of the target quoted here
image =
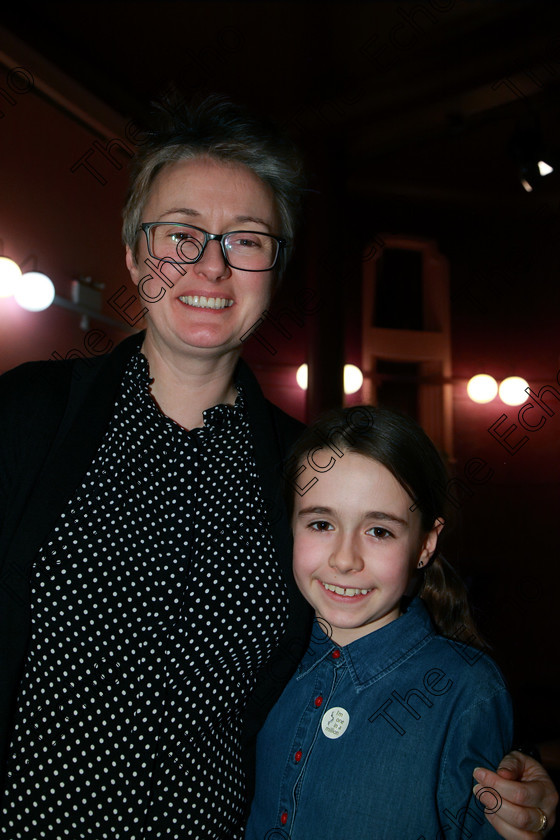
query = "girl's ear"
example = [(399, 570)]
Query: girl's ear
[(429, 543)]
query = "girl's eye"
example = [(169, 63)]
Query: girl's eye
[(379, 532), (320, 525)]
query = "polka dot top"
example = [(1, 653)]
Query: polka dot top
[(154, 602)]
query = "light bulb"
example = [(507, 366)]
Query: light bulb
[(482, 388), (353, 379), (512, 390), (10, 272), (544, 168), (35, 291), (301, 377)]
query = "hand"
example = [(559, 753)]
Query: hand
[(524, 786)]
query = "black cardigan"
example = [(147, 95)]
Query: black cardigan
[(53, 416)]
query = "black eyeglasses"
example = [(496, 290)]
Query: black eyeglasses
[(247, 250)]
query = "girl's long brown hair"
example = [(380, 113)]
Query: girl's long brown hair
[(397, 442)]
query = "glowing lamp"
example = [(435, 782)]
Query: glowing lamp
[(301, 377), (10, 273), (512, 390), (353, 379), (35, 291), (482, 388)]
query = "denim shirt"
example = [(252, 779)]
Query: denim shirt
[(379, 739)]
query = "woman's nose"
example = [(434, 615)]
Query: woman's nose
[(212, 263)]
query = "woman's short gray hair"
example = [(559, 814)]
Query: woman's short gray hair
[(225, 131)]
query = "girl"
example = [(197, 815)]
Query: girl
[(378, 732)]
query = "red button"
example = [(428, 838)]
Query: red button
[(284, 818), (298, 756), (318, 701), (335, 654)]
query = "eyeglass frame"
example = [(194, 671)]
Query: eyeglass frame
[(147, 226)]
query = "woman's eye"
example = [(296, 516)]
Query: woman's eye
[(180, 236), (246, 242)]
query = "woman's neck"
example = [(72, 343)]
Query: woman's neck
[(183, 387)]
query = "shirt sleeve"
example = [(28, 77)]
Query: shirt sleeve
[(479, 737)]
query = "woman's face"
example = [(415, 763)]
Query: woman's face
[(217, 197)]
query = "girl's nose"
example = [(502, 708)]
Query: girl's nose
[(346, 557)]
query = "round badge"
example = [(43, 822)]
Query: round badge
[(335, 722)]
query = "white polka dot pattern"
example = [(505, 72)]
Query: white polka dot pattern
[(155, 601)]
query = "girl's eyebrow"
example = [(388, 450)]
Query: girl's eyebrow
[(379, 514), (315, 510), (372, 514)]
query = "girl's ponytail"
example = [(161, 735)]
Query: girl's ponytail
[(446, 599)]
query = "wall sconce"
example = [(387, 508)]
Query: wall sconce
[(33, 290), (353, 378), (528, 149), (483, 388)]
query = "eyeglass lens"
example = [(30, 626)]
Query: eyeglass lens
[(181, 243)]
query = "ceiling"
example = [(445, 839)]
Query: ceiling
[(409, 101)]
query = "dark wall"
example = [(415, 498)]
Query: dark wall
[(63, 223), (505, 302)]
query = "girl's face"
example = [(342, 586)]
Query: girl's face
[(357, 544)]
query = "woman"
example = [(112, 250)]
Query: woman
[(147, 587)]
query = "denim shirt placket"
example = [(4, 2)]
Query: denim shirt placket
[(330, 671)]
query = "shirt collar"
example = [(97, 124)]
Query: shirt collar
[(373, 656), (224, 415), (218, 416)]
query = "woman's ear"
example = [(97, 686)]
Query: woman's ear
[(429, 543), (132, 266)]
